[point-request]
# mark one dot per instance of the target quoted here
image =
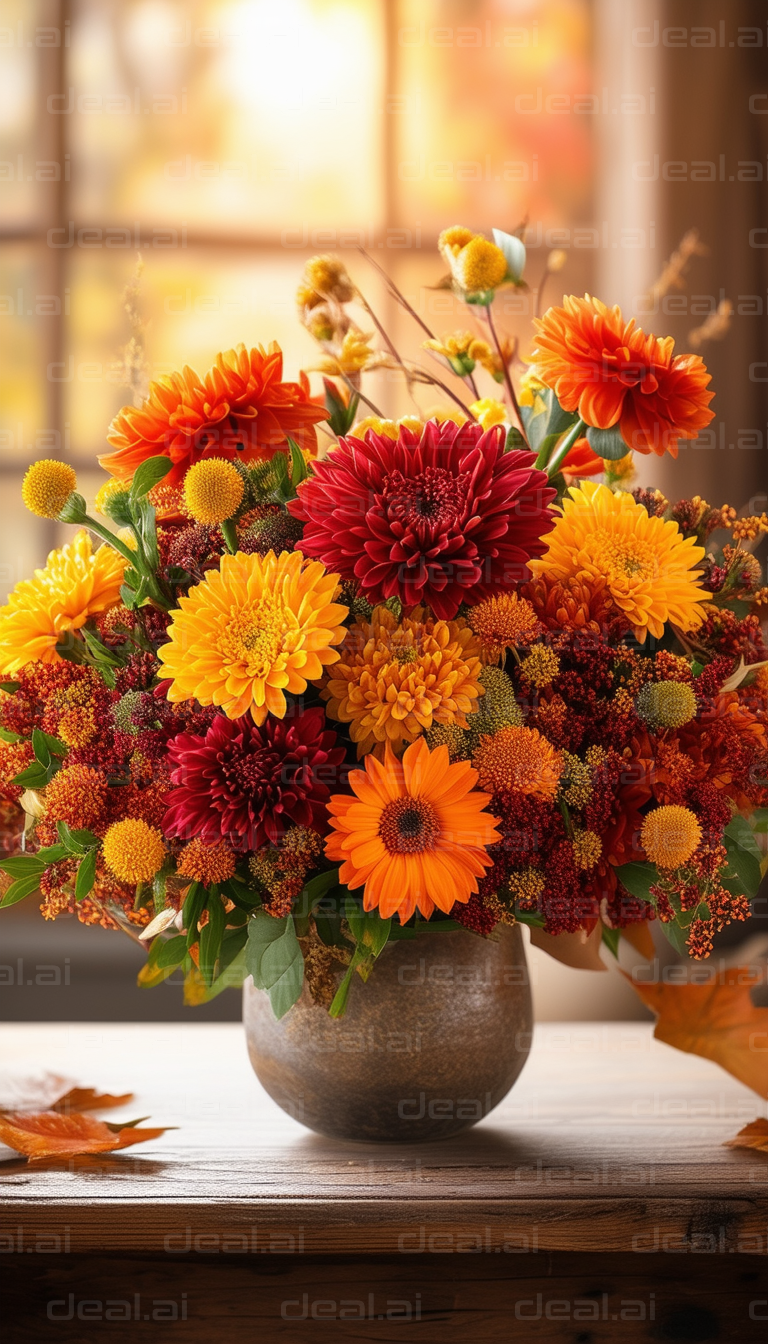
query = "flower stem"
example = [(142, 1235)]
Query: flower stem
[(229, 533), (562, 450), (507, 376)]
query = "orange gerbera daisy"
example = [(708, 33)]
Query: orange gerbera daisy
[(614, 374), (253, 629), (240, 410), (648, 567), (76, 583), (414, 832)]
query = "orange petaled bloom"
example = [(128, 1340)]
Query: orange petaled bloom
[(76, 583), (396, 680), (253, 629), (206, 863), (581, 461), (648, 567), (613, 374), (414, 832), (501, 623), (518, 760), (241, 410)]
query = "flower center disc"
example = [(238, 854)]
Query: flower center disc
[(433, 499), (623, 558), (409, 826), (256, 635)]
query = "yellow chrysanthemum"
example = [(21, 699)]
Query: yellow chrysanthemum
[(648, 566), (390, 428), (47, 486), (396, 680), (257, 627), (213, 490), (518, 760), (76, 583), (489, 412), (133, 850), (670, 835), (462, 351), (502, 623)]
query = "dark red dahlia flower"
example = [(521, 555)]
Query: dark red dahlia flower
[(442, 518), (246, 784)]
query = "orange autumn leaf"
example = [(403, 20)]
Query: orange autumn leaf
[(640, 937), (754, 1135), (88, 1099), (717, 1020), (48, 1134)]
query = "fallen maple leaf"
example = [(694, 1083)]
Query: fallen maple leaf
[(754, 1135), (88, 1099), (717, 1020), (49, 1134)]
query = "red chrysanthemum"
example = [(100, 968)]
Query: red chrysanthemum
[(437, 519), (247, 785), (240, 410)]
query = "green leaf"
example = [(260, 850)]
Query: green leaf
[(150, 473), (283, 490), (607, 443), (611, 939), (339, 1005), (514, 440), (7, 736), (210, 937), (638, 878), (530, 917), (9, 686), (100, 651), (194, 905), (742, 876), (86, 875), (299, 468), (342, 416), (52, 854), (369, 930), (34, 777), (24, 865), (275, 961), (172, 952), (315, 889), (675, 935), (514, 251), (18, 890), (68, 840)]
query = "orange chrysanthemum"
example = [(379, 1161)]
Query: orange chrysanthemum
[(253, 629), (206, 863), (240, 410), (502, 623), (649, 568), (613, 374), (414, 833), (76, 583), (518, 760), (77, 795), (396, 680), (574, 603)]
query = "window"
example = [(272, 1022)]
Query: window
[(226, 140)]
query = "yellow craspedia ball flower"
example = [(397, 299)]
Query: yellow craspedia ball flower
[(480, 265), (213, 490), (666, 704), (670, 835), (453, 239), (47, 487), (489, 412), (133, 850)]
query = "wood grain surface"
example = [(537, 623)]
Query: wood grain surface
[(609, 1142)]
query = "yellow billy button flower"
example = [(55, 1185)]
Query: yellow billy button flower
[(481, 265), (670, 836), (213, 490), (489, 412), (133, 850), (47, 487)]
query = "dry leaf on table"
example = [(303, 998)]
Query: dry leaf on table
[(717, 1020), (49, 1134), (754, 1135)]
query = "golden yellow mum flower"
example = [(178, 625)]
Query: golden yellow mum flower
[(396, 680), (649, 567), (47, 486), (670, 835), (213, 490), (257, 627), (133, 850), (76, 583)]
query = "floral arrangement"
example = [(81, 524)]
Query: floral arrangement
[(329, 676)]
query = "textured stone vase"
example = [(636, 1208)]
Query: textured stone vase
[(426, 1048)]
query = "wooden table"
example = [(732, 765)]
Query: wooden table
[(597, 1203)]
